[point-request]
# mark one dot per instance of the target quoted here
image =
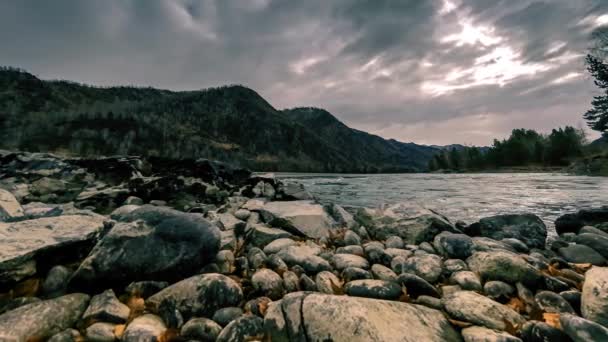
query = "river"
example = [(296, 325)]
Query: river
[(465, 197)]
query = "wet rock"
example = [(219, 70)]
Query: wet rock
[(245, 328), (68, 335), (301, 218), (56, 281), (467, 280), (580, 254), (100, 332), (268, 283), (316, 317), (504, 266), (201, 329), (224, 316), (594, 300), (552, 303), (597, 242), (146, 288), (450, 245), (304, 256), (498, 290), (525, 227), (474, 308), (429, 267), (24, 244), (355, 273), (153, 244), (199, 295), (534, 331), (481, 334), (582, 330), (394, 242), (586, 217), (328, 283), (276, 245), (342, 261), (373, 288), (105, 307), (9, 206), (42, 319), (146, 328), (416, 286), (383, 273)]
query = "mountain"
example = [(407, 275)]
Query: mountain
[(230, 123)]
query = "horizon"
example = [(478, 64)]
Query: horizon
[(465, 72)]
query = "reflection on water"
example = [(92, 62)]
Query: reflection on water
[(466, 197)]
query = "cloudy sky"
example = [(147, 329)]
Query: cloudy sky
[(428, 71)]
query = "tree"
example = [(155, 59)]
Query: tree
[(597, 117)]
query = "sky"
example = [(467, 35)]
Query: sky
[(427, 71)]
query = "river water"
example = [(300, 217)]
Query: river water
[(466, 197)]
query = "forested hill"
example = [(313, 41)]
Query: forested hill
[(232, 124)]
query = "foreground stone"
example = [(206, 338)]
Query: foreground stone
[(44, 240), (504, 266), (474, 308), (572, 223), (144, 328), (9, 206), (41, 320), (301, 218), (582, 330), (318, 317), (594, 301), (528, 228), (152, 244)]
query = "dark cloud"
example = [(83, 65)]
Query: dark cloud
[(432, 71)]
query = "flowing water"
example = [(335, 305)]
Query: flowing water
[(466, 197)]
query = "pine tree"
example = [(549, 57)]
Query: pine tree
[(597, 117)]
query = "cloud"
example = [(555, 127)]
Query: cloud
[(393, 67)]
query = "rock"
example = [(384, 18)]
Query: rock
[(373, 288), (573, 297), (301, 218), (352, 249), (200, 295), (355, 273), (447, 290), (428, 301), (552, 303), (43, 319), (342, 261), (41, 241), (56, 281), (450, 245), (258, 235), (474, 308), (416, 286), (586, 217), (101, 332), (429, 267), (8, 305), (383, 273), (68, 335), (328, 283), (394, 242), (481, 334), (598, 242), (498, 290), (534, 331), (242, 329), (504, 266), (201, 329), (47, 186), (414, 224), (224, 316), (594, 300), (317, 317), (276, 263), (257, 258), (484, 244), (394, 252), (146, 328), (582, 330), (307, 284), (276, 245), (342, 217), (467, 280), (304, 256), (146, 288), (454, 265), (105, 307), (291, 282), (351, 238), (516, 244), (593, 230), (133, 200), (153, 243), (268, 283), (9, 206), (525, 227), (225, 261), (581, 254)]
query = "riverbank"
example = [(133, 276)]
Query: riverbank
[(137, 249)]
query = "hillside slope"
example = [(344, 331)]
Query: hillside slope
[(232, 124)]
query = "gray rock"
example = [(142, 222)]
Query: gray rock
[(484, 244), (383, 273), (56, 281), (580, 254), (268, 283), (535, 331), (481, 334), (146, 288), (428, 301), (295, 191), (101, 332), (593, 230), (42, 319), (276, 245), (394, 242), (291, 282), (467, 280), (154, 243), (426, 247), (355, 273), (582, 330), (526, 227), (416, 286), (146, 328), (474, 308), (68, 335), (394, 252), (224, 316), (598, 242), (327, 282), (498, 290), (351, 238), (454, 265), (450, 245), (518, 245), (302, 218), (342, 261), (373, 288), (242, 214), (307, 284), (259, 235), (316, 317), (276, 263), (552, 303), (353, 249), (199, 295), (133, 200), (429, 267), (304, 256), (242, 329), (105, 307), (52, 238), (10, 304), (9, 206), (594, 300), (342, 217), (201, 329), (573, 297), (504, 266)]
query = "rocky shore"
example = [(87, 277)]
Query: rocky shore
[(133, 249)]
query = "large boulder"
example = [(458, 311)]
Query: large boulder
[(581, 254), (318, 317), (9, 206), (302, 218), (504, 266), (32, 245), (414, 224), (152, 243), (472, 307), (572, 223), (41, 320), (594, 301), (528, 228), (198, 296)]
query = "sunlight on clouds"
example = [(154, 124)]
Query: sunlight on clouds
[(473, 35), (555, 47), (447, 7), (602, 20), (567, 78), (302, 65)]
